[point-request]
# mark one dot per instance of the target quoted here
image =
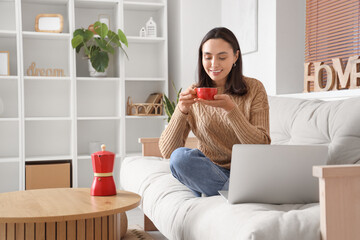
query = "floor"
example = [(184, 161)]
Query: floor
[(136, 217)]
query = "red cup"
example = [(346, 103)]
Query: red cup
[(206, 93)]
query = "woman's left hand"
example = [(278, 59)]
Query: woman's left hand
[(220, 100)]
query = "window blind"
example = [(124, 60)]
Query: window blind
[(332, 31)]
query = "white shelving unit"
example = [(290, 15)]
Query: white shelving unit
[(54, 118)]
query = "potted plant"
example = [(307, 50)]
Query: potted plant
[(98, 42), (170, 105)]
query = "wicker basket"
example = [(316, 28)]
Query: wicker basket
[(152, 107)]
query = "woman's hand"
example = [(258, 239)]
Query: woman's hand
[(186, 99), (220, 100)]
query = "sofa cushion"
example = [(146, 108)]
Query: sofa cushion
[(336, 123), (178, 214)]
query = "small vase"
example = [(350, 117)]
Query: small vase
[(94, 73)]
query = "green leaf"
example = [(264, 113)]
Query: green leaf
[(122, 37), (124, 52), (178, 96), (101, 29), (114, 38), (81, 36), (97, 47), (87, 52), (103, 44), (110, 49), (76, 41), (79, 31), (79, 47), (168, 112), (87, 35), (99, 60), (166, 100), (169, 106)]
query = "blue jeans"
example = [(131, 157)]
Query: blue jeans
[(193, 169)]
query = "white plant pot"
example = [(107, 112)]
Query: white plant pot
[(94, 73)]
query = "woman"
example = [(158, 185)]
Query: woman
[(239, 114)]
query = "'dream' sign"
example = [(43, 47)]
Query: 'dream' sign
[(338, 75)]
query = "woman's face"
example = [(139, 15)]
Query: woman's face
[(218, 59)]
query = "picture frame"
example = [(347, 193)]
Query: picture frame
[(52, 23), (4, 63)]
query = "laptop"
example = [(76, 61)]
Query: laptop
[(275, 174)]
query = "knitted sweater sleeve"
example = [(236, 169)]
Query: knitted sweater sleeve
[(175, 134), (256, 129)]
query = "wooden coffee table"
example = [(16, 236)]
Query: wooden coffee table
[(63, 213)]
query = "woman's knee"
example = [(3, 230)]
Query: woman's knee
[(180, 157)]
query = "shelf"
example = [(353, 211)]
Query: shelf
[(88, 157), (50, 2), (9, 176), (97, 99), (48, 138), (48, 119), (7, 33), (8, 77), (139, 91), (11, 1), (8, 119), (47, 57), (9, 43), (47, 100), (48, 158), (137, 14), (9, 94), (330, 95), (145, 117), (62, 117), (84, 157), (9, 139), (45, 35), (96, 4), (7, 18), (94, 131), (151, 58), (142, 6), (97, 118), (42, 78), (9, 159), (133, 39), (97, 78), (140, 79)]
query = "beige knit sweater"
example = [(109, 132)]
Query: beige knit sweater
[(217, 130)]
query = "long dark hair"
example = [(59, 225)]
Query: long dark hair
[(235, 83)]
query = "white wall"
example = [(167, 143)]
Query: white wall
[(290, 46), (262, 63), (175, 63), (278, 62), (188, 22)]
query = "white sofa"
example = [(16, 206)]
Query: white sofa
[(179, 215)]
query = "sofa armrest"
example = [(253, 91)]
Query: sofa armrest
[(150, 146), (339, 187)]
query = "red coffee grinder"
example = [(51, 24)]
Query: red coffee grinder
[(103, 165)]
